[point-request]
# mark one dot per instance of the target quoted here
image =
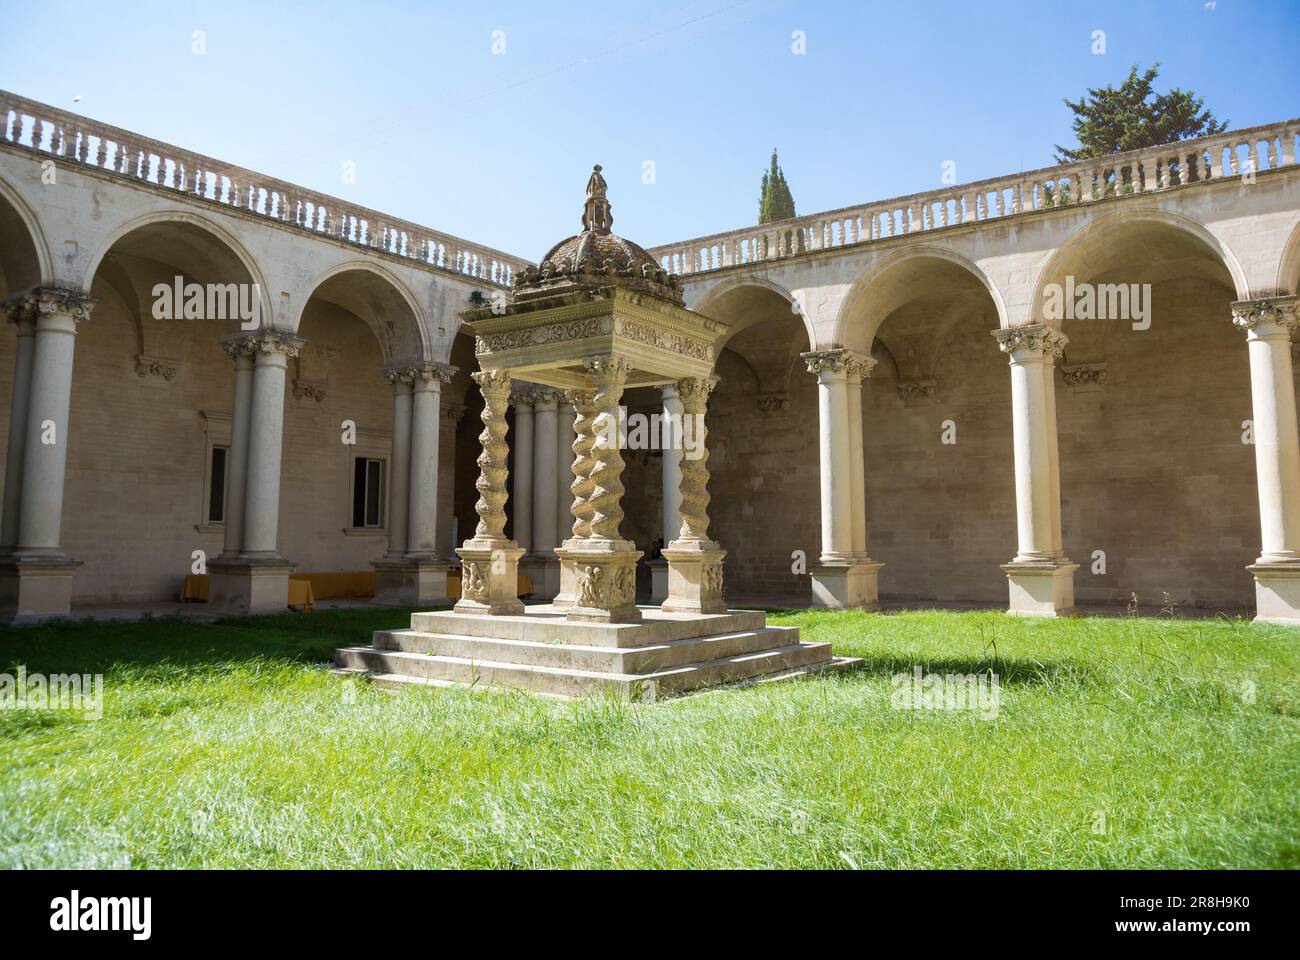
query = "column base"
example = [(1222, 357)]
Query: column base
[(1041, 588), (694, 578), (35, 588), (249, 585), (848, 584), (658, 580), (605, 582), (411, 581), (489, 578), (1277, 592)]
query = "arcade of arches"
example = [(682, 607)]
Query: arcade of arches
[(932, 453)]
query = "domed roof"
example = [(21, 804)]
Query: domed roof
[(597, 258)]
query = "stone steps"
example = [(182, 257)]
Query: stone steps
[(544, 623), (640, 659), (570, 682)]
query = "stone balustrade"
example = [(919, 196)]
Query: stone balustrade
[(1238, 153), (44, 129)]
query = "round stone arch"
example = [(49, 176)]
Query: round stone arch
[(746, 296), (1092, 248), (890, 283), (33, 266), (190, 219), (409, 341), (1288, 271)]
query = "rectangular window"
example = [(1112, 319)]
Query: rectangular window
[(217, 486), (367, 493)]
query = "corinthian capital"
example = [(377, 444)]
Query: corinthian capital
[(493, 383), (839, 360), (609, 369), (56, 300), (1037, 338), (431, 372), (1278, 311)]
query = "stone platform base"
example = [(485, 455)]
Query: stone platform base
[(541, 652), (404, 582), (35, 588)]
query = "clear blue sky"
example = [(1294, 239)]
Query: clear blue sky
[(497, 148)]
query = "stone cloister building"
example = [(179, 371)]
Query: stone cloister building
[(1068, 385)]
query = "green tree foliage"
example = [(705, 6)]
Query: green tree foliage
[(1133, 116), (774, 200)]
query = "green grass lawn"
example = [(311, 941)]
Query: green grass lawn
[(1118, 743)]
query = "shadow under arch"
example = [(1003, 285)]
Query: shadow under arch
[(895, 280), (25, 260), (380, 300), (151, 226), (1150, 239), (744, 301)]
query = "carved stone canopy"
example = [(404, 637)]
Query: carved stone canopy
[(596, 258), (546, 336)]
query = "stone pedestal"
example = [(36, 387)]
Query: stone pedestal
[(489, 577), (245, 585), (407, 582), (605, 582), (35, 588), (1041, 588), (694, 578), (844, 585), (1277, 592)]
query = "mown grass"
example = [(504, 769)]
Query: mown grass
[(1119, 743)]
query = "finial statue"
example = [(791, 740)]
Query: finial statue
[(596, 215)]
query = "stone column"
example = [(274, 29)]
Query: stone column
[(1040, 576), (240, 350), (258, 579), (565, 418), (605, 563), (523, 450), (490, 561), (399, 480), (417, 576), (694, 561), (542, 566), (578, 511), (22, 314), (36, 578), (1269, 326), (845, 576), (670, 442)]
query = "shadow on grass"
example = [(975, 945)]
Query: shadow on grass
[(1008, 672), (178, 643)]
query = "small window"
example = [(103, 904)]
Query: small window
[(368, 493), (217, 485)]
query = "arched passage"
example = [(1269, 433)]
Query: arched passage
[(338, 480), (763, 444), (936, 427), (1158, 489), (151, 409)]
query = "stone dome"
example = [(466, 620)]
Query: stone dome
[(597, 258)]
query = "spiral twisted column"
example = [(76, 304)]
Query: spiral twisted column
[(608, 373), (492, 462), (694, 393), (694, 561), (490, 562), (584, 405)]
